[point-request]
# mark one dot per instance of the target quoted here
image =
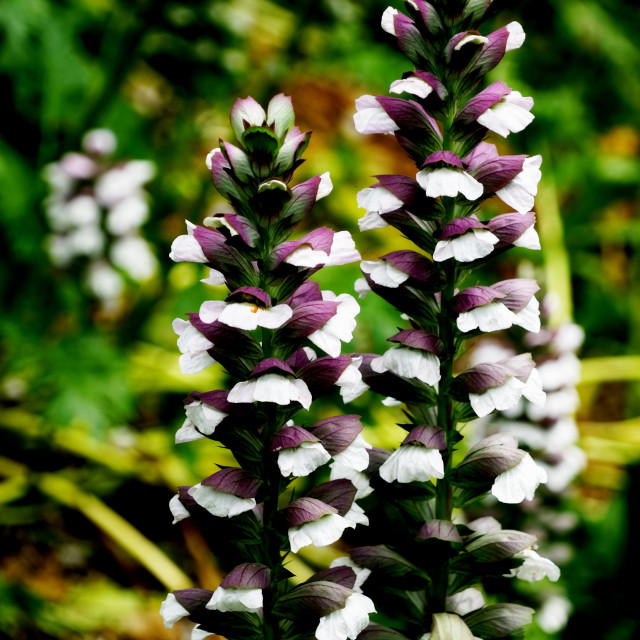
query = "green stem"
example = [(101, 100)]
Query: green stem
[(445, 422)]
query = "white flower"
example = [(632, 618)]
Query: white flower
[(356, 515), (339, 327), (528, 240), (104, 281), (409, 363), (350, 382), (133, 255), (501, 398), (215, 277), (220, 503), (171, 611), (362, 573), (127, 215), (561, 474), (186, 248), (342, 251), (535, 567), (244, 315), (355, 455), (391, 402), (529, 317), (532, 390), (178, 510), (559, 403), (234, 599), (361, 287), (198, 633), (376, 201), (347, 622), (271, 387), (520, 482), (560, 372), (510, 115), (123, 181), (516, 36), (383, 273), (472, 245), (193, 346), (320, 533), (387, 22), (487, 317), (302, 460), (412, 462), (475, 38), (325, 187), (359, 479), (520, 192), (413, 84), (554, 613), (99, 141), (202, 419), (465, 601), (447, 181), (370, 117)]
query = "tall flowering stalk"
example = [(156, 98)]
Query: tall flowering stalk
[(426, 576), (265, 334)]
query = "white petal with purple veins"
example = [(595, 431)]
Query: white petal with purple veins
[(215, 277), (472, 245), (271, 387), (502, 398), (198, 633), (347, 622), (248, 316), (528, 240), (302, 460), (339, 327), (233, 599), (449, 182), (350, 382), (219, 503), (384, 274), (529, 317), (487, 317), (178, 510), (520, 482), (355, 455), (516, 36), (356, 515), (412, 462), (409, 363), (325, 187), (475, 38), (371, 117), (209, 159), (361, 572), (535, 567), (359, 479), (510, 115), (387, 22), (413, 84), (320, 533), (520, 192), (171, 611)]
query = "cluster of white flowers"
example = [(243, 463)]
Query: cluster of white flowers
[(95, 210)]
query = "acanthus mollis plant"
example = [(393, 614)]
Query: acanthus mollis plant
[(428, 568), (95, 210), (550, 435), (278, 336)]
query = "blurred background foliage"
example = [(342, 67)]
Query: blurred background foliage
[(90, 397)]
